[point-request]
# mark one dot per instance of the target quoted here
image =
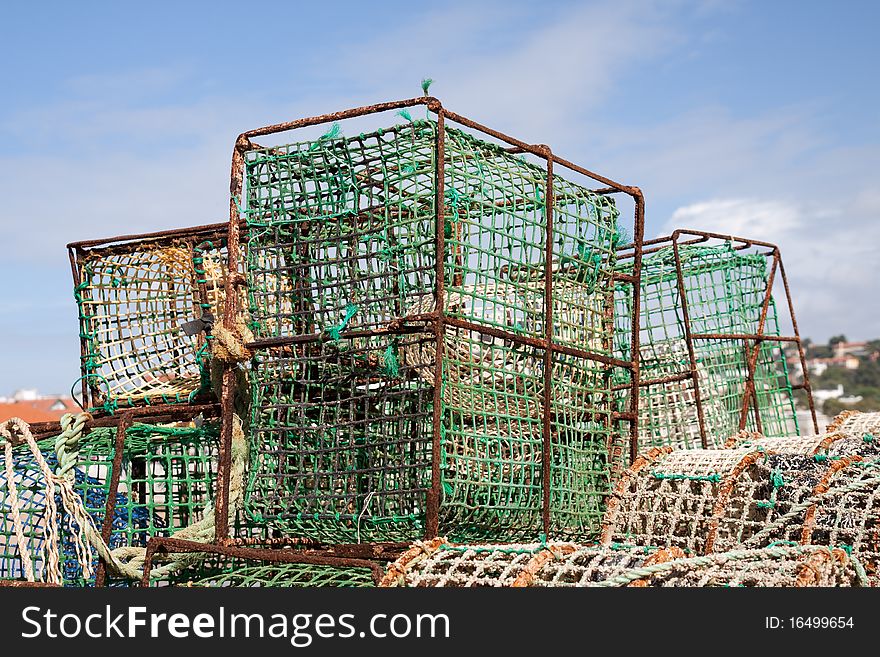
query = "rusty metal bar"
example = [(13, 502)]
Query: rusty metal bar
[(432, 516), (540, 343), (659, 243), (190, 231), (125, 421), (624, 278), (644, 383), (340, 116), (547, 401), (288, 340), (155, 414), (679, 272), (398, 327), (635, 322), (173, 545), (745, 336), (752, 361), (24, 584), (230, 314)]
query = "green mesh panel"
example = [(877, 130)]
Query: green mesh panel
[(216, 571), (725, 291), (340, 240)]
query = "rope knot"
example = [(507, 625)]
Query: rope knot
[(228, 345), (14, 431)]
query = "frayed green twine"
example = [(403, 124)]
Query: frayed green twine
[(868, 438), (715, 478), (620, 237), (587, 265), (332, 133), (390, 364), (454, 197), (776, 478), (426, 83), (404, 113), (335, 332), (777, 481)]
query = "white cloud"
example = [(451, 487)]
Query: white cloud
[(830, 259), (568, 63), (760, 220)]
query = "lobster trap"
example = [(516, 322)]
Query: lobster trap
[(850, 434), (856, 433), (134, 482), (432, 311), (146, 305), (775, 566), (711, 348), (697, 500), (705, 501), (438, 563), (257, 567)]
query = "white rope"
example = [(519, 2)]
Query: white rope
[(12, 497), (127, 562)]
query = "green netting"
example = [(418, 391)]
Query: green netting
[(165, 483), (133, 299), (725, 291), (340, 242), (218, 571)]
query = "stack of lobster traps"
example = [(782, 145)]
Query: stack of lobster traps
[(425, 353)]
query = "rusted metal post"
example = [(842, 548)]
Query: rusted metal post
[(754, 352), (546, 410), (432, 519), (125, 421), (679, 272), (635, 320), (230, 313)]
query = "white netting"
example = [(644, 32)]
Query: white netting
[(858, 433), (440, 564), (777, 566), (697, 500), (853, 440)]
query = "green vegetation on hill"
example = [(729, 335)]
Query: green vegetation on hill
[(863, 381)]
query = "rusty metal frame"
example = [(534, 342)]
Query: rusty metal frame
[(353, 556), (437, 320), (752, 342), (79, 252), (24, 584)]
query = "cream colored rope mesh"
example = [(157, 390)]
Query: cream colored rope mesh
[(697, 500), (438, 563)]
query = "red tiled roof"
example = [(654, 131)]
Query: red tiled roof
[(36, 410)]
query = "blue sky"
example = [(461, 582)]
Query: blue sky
[(756, 118)]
